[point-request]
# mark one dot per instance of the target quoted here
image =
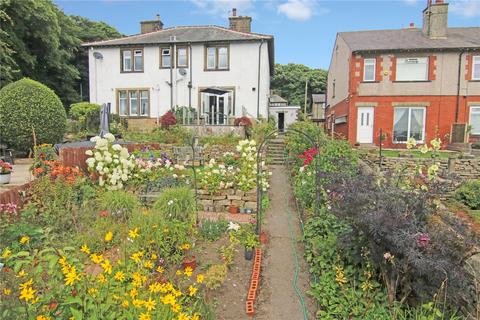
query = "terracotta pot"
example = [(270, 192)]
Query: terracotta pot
[(263, 237), (190, 262), (233, 210)]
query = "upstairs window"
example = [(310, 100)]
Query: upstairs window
[(369, 69), (412, 69), (182, 57), (475, 120), (132, 60), (133, 102), (165, 58), (217, 58), (476, 68)]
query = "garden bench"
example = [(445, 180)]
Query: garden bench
[(182, 154)]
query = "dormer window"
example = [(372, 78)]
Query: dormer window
[(132, 60), (369, 69), (165, 57), (217, 57)]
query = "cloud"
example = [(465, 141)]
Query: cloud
[(300, 10), (466, 8), (224, 7)]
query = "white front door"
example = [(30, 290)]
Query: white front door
[(365, 124)]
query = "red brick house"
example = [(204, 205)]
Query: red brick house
[(408, 83)]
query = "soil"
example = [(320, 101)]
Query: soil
[(277, 297)]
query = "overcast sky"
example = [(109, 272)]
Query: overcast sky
[(304, 30)]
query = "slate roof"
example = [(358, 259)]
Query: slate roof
[(411, 39), (318, 98), (182, 34), (277, 99)]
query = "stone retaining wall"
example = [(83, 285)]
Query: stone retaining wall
[(463, 168), (222, 200)]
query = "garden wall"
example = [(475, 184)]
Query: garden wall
[(16, 195), (463, 168), (222, 200), (224, 130)]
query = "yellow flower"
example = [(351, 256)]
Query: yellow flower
[(6, 291), (40, 317), (145, 316), (178, 273), (133, 293), (148, 264), (133, 233), (188, 271), (138, 279), (192, 291), (25, 240), (119, 276), (21, 274), (71, 276), (185, 246), (101, 278), (160, 269), (168, 299), (108, 236), (24, 285), (196, 316), (96, 258), (138, 303), (93, 292), (27, 293), (176, 308), (150, 304), (125, 303), (200, 278), (154, 287), (176, 293), (6, 253), (340, 276), (85, 249), (137, 256), (107, 267), (183, 316), (154, 256)]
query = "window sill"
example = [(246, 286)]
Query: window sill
[(166, 68), (369, 81), (405, 142), (411, 81), (216, 69), (134, 117), (474, 80), (131, 71)]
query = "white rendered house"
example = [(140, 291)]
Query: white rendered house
[(217, 74)]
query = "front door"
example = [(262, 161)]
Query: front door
[(216, 108), (281, 121), (365, 124)]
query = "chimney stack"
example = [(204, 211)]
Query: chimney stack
[(435, 20), (151, 25), (240, 23)]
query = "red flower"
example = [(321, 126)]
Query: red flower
[(104, 213)]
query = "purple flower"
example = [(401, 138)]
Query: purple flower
[(423, 240)]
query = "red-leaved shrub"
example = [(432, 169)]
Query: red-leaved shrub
[(168, 119), (243, 121)]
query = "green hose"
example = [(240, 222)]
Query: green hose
[(292, 241)]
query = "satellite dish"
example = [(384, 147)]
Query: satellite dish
[(182, 71)]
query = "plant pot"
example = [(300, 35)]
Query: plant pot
[(233, 210), (242, 210), (5, 178), (248, 253), (263, 237), (248, 211), (190, 261)]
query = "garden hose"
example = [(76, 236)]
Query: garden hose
[(292, 241)]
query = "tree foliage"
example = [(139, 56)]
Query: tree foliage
[(37, 40), (289, 82)]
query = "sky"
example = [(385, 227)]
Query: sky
[(304, 30)]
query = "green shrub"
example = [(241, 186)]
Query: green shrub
[(119, 203), (88, 115), (28, 106), (469, 194), (177, 203), (212, 230)]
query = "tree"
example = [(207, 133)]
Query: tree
[(37, 40), (289, 82)]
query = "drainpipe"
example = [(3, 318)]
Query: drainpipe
[(190, 82), (172, 61), (258, 84), (457, 107)]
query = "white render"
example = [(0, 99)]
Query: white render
[(106, 77), (290, 114)]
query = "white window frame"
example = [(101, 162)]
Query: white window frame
[(214, 50), (369, 62), (226, 58), (137, 53), (120, 104), (130, 103), (163, 55), (474, 110), (185, 65), (475, 61), (424, 109), (147, 98), (403, 61), (124, 58)]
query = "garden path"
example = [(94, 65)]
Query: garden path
[(277, 297)]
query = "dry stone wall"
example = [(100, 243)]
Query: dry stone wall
[(222, 200)]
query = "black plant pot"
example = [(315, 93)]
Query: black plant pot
[(248, 254)]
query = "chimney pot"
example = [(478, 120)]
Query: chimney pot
[(439, 1), (435, 20), (151, 25), (234, 12), (412, 25), (240, 23)]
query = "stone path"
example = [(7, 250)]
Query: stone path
[(277, 297), (21, 174)]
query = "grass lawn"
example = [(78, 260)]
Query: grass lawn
[(475, 214)]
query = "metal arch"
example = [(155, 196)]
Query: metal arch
[(259, 170)]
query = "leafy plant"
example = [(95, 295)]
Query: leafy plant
[(87, 114), (168, 119), (29, 109), (469, 194), (215, 276), (119, 203), (177, 204), (212, 230)]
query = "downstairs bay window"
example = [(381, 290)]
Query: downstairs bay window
[(409, 122), (133, 102)]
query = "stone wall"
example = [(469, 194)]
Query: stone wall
[(224, 199), (467, 167)]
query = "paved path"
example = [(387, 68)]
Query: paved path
[(21, 174), (277, 298)]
